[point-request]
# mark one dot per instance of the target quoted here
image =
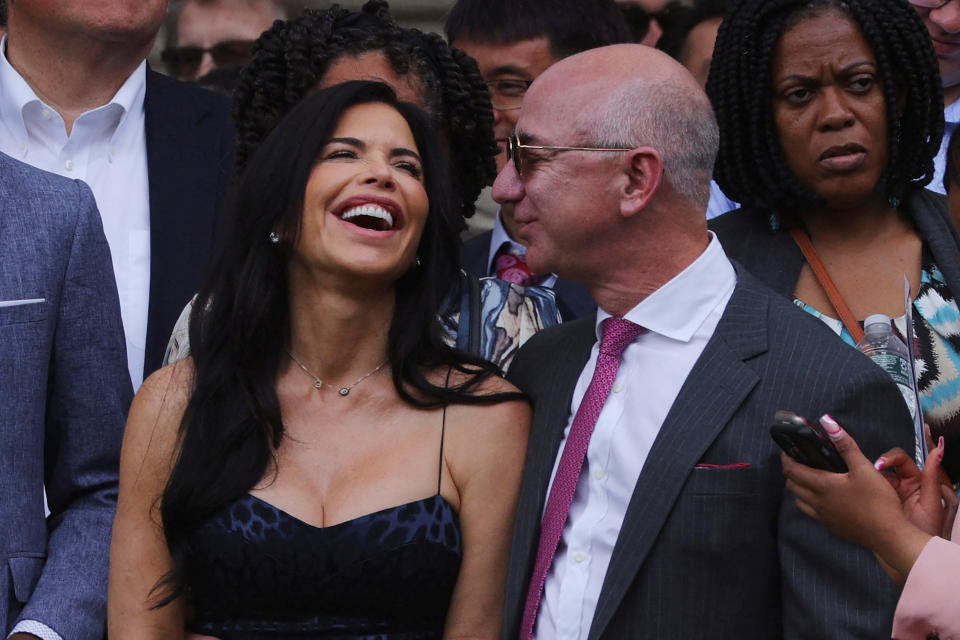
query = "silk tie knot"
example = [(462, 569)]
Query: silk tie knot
[(617, 334)]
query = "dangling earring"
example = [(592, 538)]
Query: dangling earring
[(894, 202), (274, 237), (418, 262)]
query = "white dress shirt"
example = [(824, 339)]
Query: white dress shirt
[(951, 116), (680, 317), (107, 149), (497, 237)]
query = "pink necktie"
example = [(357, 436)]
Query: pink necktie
[(617, 333)]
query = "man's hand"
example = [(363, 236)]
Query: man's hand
[(23, 636)]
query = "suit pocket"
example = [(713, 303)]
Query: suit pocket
[(23, 313), (24, 575), (722, 480)]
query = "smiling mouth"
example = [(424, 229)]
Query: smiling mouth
[(369, 216)]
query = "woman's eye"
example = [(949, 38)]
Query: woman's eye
[(798, 95), (339, 154), (862, 84), (410, 167)]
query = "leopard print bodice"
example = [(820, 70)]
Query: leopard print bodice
[(254, 572)]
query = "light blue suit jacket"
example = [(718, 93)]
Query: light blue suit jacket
[(65, 392)]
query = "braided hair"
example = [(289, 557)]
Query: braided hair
[(291, 59), (751, 167)]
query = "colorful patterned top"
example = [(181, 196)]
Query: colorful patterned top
[(936, 325), (510, 315)]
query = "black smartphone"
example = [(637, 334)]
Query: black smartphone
[(806, 443)]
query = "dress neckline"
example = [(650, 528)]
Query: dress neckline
[(358, 518)]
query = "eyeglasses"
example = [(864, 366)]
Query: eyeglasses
[(507, 94), (929, 4), (185, 61), (514, 148)]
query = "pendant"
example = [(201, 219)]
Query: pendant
[(344, 391), (318, 384)]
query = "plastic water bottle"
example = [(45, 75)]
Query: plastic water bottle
[(883, 346)]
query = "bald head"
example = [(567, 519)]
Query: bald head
[(630, 95)]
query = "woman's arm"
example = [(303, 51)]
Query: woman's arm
[(485, 453), (138, 551)]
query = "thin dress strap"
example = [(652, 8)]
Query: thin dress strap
[(443, 429)]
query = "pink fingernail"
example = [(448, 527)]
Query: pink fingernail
[(834, 430), (880, 464), (941, 445)]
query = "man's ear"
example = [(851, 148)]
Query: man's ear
[(643, 169)]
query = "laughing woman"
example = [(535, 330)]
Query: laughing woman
[(830, 114), (324, 465)]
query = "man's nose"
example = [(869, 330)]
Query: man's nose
[(508, 187)]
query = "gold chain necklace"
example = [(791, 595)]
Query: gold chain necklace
[(343, 391)]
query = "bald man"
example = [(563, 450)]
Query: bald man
[(653, 503)]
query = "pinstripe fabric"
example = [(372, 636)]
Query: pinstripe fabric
[(722, 553)]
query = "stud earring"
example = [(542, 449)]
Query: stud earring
[(419, 262), (274, 237)]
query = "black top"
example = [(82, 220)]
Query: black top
[(255, 572)]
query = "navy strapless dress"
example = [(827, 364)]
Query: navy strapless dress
[(254, 572)]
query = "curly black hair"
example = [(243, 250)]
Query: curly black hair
[(751, 167), (291, 59)]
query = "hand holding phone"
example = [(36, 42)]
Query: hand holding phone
[(805, 443)]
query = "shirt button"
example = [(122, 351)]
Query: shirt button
[(599, 474), (46, 114), (69, 165), (617, 387), (579, 557)]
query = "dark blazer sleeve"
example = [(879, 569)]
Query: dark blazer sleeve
[(832, 588), (89, 393)]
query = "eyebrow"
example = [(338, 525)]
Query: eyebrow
[(847, 69), (509, 70), (528, 138), (360, 144)]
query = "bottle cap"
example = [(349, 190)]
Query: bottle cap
[(877, 318)]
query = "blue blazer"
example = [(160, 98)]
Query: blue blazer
[(65, 391), (190, 141), (573, 299)]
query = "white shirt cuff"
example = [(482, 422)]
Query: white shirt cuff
[(38, 629)]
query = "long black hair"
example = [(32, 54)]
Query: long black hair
[(240, 324), (292, 57), (751, 167)]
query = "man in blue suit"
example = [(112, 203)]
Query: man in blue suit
[(78, 99), (65, 392)]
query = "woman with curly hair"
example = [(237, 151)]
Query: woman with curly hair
[(292, 59), (830, 115), (324, 465)]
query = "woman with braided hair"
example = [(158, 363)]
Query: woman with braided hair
[(830, 114), (293, 59)]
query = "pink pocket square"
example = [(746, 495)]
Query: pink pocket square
[(735, 465)]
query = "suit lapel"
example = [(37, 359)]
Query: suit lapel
[(716, 387)]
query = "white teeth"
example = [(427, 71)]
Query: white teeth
[(372, 210)]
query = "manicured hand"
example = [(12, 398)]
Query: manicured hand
[(919, 491)]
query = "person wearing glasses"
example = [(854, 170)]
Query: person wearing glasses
[(942, 20), (513, 43), (206, 35), (653, 504)]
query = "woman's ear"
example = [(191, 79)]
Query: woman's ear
[(643, 168)]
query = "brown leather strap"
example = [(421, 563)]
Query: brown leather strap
[(833, 294)]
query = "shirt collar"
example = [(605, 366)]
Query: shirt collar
[(678, 308), (951, 112), (497, 237), (16, 95)]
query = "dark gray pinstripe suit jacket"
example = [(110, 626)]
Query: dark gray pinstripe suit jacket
[(722, 553)]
